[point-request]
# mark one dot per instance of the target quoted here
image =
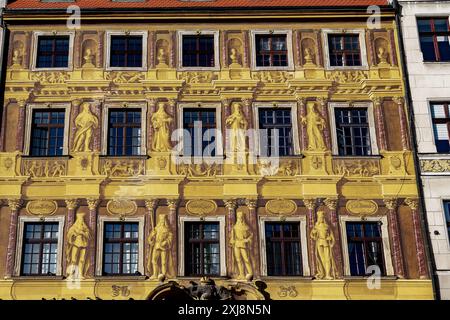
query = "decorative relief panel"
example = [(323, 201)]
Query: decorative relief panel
[(357, 168), (272, 76), (361, 207), (199, 170), (42, 207), (121, 207), (281, 207), (197, 77), (201, 207), (44, 168), (124, 76), (346, 76), (50, 77), (113, 167), (282, 167), (435, 165)]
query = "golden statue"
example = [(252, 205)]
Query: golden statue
[(324, 238), (85, 122), (162, 57), (308, 57), (160, 121), (315, 124), (88, 58), (234, 57), (238, 125), (241, 241), (382, 55), (160, 241), (17, 57), (78, 237)]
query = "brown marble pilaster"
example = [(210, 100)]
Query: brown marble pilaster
[(393, 51), (14, 206), (394, 233), (101, 44), (173, 47), (331, 204), (413, 204), (224, 49), (231, 206), (324, 112), (151, 111), (92, 206), (20, 125), (403, 122), (151, 49), (3, 125), (301, 106), (173, 204), (310, 204), (253, 222), (379, 119), (74, 110), (96, 109), (149, 225), (71, 206), (245, 58), (319, 48)]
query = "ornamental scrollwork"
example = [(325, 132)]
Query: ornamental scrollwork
[(435, 165), (44, 168), (122, 168), (356, 168), (50, 77), (125, 77)]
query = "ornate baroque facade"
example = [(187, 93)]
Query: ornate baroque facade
[(320, 188)]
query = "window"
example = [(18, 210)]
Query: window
[(201, 125), (344, 50), (40, 249), (364, 247), (126, 51), (447, 216), (52, 52), (202, 247), (352, 128), (120, 248), (283, 249), (198, 51), (440, 113), (124, 127), (276, 122), (434, 34), (47, 132), (271, 50)]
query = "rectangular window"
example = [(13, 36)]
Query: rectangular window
[(440, 113), (47, 132), (447, 216), (352, 128), (344, 50), (276, 122), (124, 127), (434, 34), (271, 50), (365, 247), (52, 52), (126, 51), (198, 51), (40, 249), (120, 248), (283, 249), (202, 247), (201, 125)]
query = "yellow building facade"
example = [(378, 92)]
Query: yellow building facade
[(321, 187)]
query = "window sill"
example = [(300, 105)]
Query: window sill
[(375, 156), (68, 69), (121, 277), (67, 156), (38, 278), (193, 69), (285, 278), (356, 278), (436, 62), (143, 156)]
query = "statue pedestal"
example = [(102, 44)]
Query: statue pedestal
[(18, 73), (159, 163), (316, 162), (84, 163), (236, 163)]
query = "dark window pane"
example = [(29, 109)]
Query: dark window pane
[(52, 52), (271, 51), (276, 134), (200, 123), (124, 132), (344, 50), (126, 51), (352, 129), (198, 51), (434, 34), (47, 132), (441, 122)]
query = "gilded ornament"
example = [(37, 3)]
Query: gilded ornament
[(201, 207), (85, 123), (361, 207), (78, 237), (161, 125), (121, 207), (160, 241), (42, 207), (241, 240), (315, 125), (238, 126), (281, 206)]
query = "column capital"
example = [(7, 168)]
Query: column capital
[(71, 204), (15, 204), (247, 102), (151, 102), (398, 99), (301, 101), (322, 100), (250, 203), (377, 101), (76, 102), (172, 203), (230, 204), (225, 102), (413, 203), (21, 102), (151, 204), (172, 103), (391, 203), (331, 203), (310, 203), (92, 203)]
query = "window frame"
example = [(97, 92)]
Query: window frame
[(362, 47), (290, 57), (181, 241), (432, 120), (434, 35), (29, 122), (20, 241), (105, 126), (303, 243), (100, 244), (343, 219), (182, 33), (48, 127), (38, 34), (445, 202), (371, 123), (107, 50)]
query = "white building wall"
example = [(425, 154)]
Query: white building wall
[(429, 81)]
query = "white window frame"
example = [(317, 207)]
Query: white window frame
[(371, 120), (303, 243), (444, 219), (294, 122), (181, 240), (20, 241), (29, 122), (362, 47), (100, 235), (290, 57), (182, 33), (384, 236), (37, 34), (180, 116), (107, 50), (105, 124), (430, 117)]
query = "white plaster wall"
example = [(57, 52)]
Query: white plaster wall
[(429, 82)]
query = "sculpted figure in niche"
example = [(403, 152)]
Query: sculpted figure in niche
[(17, 57), (160, 241), (315, 124), (308, 56), (161, 121), (234, 58), (78, 237), (382, 55), (241, 241), (238, 125), (324, 238), (88, 58), (85, 123), (162, 57)]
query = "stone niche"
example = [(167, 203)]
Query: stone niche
[(162, 56), (309, 54)]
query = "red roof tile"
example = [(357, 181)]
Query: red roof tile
[(168, 4)]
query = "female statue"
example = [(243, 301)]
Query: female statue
[(160, 121), (85, 122), (315, 124), (238, 125), (78, 237)]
